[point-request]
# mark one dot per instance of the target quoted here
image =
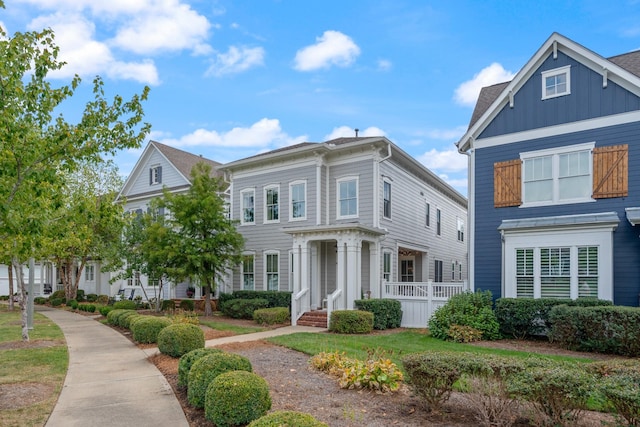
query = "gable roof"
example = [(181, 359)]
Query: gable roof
[(622, 69)]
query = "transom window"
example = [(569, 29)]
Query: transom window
[(272, 204), (556, 82), (247, 206), (248, 283), (271, 271), (387, 199), (298, 195), (557, 176), (348, 198)]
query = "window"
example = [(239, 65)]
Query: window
[(524, 273), (588, 272), (89, 273), (298, 196), (460, 271), (460, 230), (558, 175), (438, 222), (427, 221), (347, 198), (453, 270), (271, 271), (387, 200), (386, 266), (271, 208), (135, 280), (155, 175), (247, 201), (437, 271), (248, 283), (406, 270), (556, 82)]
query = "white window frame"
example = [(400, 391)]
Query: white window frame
[(155, 175), (89, 273), (387, 275), (266, 189), (573, 238), (566, 70), (460, 226), (291, 201), (555, 154), (242, 272), (251, 191), (266, 255), (339, 181), (438, 270), (385, 183)]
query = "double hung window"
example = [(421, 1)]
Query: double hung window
[(298, 196), (272, 204), (248, 283), (247, 206), (347, 198)]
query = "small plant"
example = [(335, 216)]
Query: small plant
[(272, 316), (236, 398), (105, 309), (180, 316), (188, 359), (464, 334), (205, 369), (180, 338), (387, 313), (56, 302), (145, 329), (40, 300), (91, 297), (351, 322), (73, 304), (287, 419)]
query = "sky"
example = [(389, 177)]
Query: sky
[(234, 78)]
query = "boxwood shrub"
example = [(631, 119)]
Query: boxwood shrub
[(40, 300), (236, 398), (205, 369), (105, 309), (73, 304), (351, 322), (125, 319), (243, 308), (56, 302), (287, 419), (188, 359), (145, 329), (125, 304), (272, 316), (187, 305), (168, 305), (180, 338), (275, 298), (472, 309), (387, 313), (114, 313), (91, 297), (80, 295)]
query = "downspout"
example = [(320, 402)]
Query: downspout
[(470, 213), (376, 187)]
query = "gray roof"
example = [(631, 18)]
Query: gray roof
[(602, 218), (184, 161)]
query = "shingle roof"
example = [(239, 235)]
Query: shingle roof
[(184, 161), (629, 61)]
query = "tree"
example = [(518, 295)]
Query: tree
[(36, 146), (202, 242)]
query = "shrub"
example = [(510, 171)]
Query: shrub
[(126, 304), (80, 295), (112, 316), (236, 398), (464, 334), (125, 319), (168, 305), (387, 313), (58, 294), (272, 316), (243, 308), (73, 304), (351, 322), (287, 419), (105, 309), (180, 316), (90, 308), (180, 338), (275, 298), (146, 328), (205, 369), (188, 359), (187, 304), (103, 299), (40, 300), (623, 392), (91, 297), (466, 309), (55, 302)]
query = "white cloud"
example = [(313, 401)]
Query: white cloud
[(346, 131), (467, 93), (460, 184), (384, 65), (447, 160), (332, 48), (446, 134), (265, 133), (236, 60)]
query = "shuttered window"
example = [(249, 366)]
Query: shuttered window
[(588, 272), (610, 171), (507, 183), (555, 272), (524, 273)]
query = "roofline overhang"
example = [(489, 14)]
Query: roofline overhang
[(335, 228)]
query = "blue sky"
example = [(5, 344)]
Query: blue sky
[(230, 79)]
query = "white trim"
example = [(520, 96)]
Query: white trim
[(251, 190), (387, 180), (355, 178), (566, 70), (251, 254), (265, 272), (386, 251), (291, 185), (265, 208)]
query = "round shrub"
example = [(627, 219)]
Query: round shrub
[(180, 338), (272, 316), (40, 300), (188, 359), (59, 294), (466, 309), (103, 299), (112, 316), (145, 329), (105, 309), (126, 304), (91, 297), (351, 322), (187, 305), (287, 419), (205, 369), (80, 295), (73, 304), (125, 319), (236, 398), (56, 302), (168, 305)]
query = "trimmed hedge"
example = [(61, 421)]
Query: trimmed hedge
[(387, 313), (126, 304), (473, 309), (236, 398), (40, 300), (205, 369), (275, 298), (187, 305), (180, 338), (188, 359), (91, 297), (114, 314), (168, 305), (272, 316), (124, 319), (351, 322), (105, 309), (609, 329), (145, 329), (287, 419), (243, 308)]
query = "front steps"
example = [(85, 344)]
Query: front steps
[(316, 318)]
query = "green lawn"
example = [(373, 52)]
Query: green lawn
[(237, 330)]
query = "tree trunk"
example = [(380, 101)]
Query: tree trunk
[(10, 270), (22, 297), (207, 300), (76, 282)]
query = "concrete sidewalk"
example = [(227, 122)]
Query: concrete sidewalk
[(110, 381)]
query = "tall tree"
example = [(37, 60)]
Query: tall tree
[(203, 243), (35, 145)]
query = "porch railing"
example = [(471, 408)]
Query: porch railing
[(298, 305), (333, 303)]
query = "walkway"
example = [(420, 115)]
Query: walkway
[(110, 381)]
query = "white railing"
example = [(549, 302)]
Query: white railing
[(298, 305), (333, 303)]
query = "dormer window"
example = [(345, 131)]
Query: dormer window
[(556, 82), (155, 175)]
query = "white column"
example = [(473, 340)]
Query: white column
[(341, 268), (354, 251), (374, 269), (296, 267), (314, 280)]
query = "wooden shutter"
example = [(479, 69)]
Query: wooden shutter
[(610, 171), (507, 183)]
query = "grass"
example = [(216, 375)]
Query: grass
[(43, 366), (237, 330)]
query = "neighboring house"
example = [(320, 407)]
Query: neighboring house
[(552, 211), (334, 222), (159, 167)]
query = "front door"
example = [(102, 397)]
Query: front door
[(407, 269)]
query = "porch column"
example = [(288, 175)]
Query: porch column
[(314, 279), (296, 267), (341, 270), (374, 269), (354, 265), (304, 265)]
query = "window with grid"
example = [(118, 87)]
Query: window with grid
[(524, 273), (248, 207), (556, 82), (89, 273), (453, 271), (588, 272), (386, 266), (555, 272), (460, 230), (387, 199), (248, 283), (437, 276), (438, 222), (298, 202), (348, 198), (427, 221), (271, 265), (271, 204)]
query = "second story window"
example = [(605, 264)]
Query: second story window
[(460, 230), (438, 222), (272, 204), (348, 198), (427, 221), (387, 199), (556, 82), (298, 196), (247, 208), (155, 175)]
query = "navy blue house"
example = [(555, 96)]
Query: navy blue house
[(554, 178)]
